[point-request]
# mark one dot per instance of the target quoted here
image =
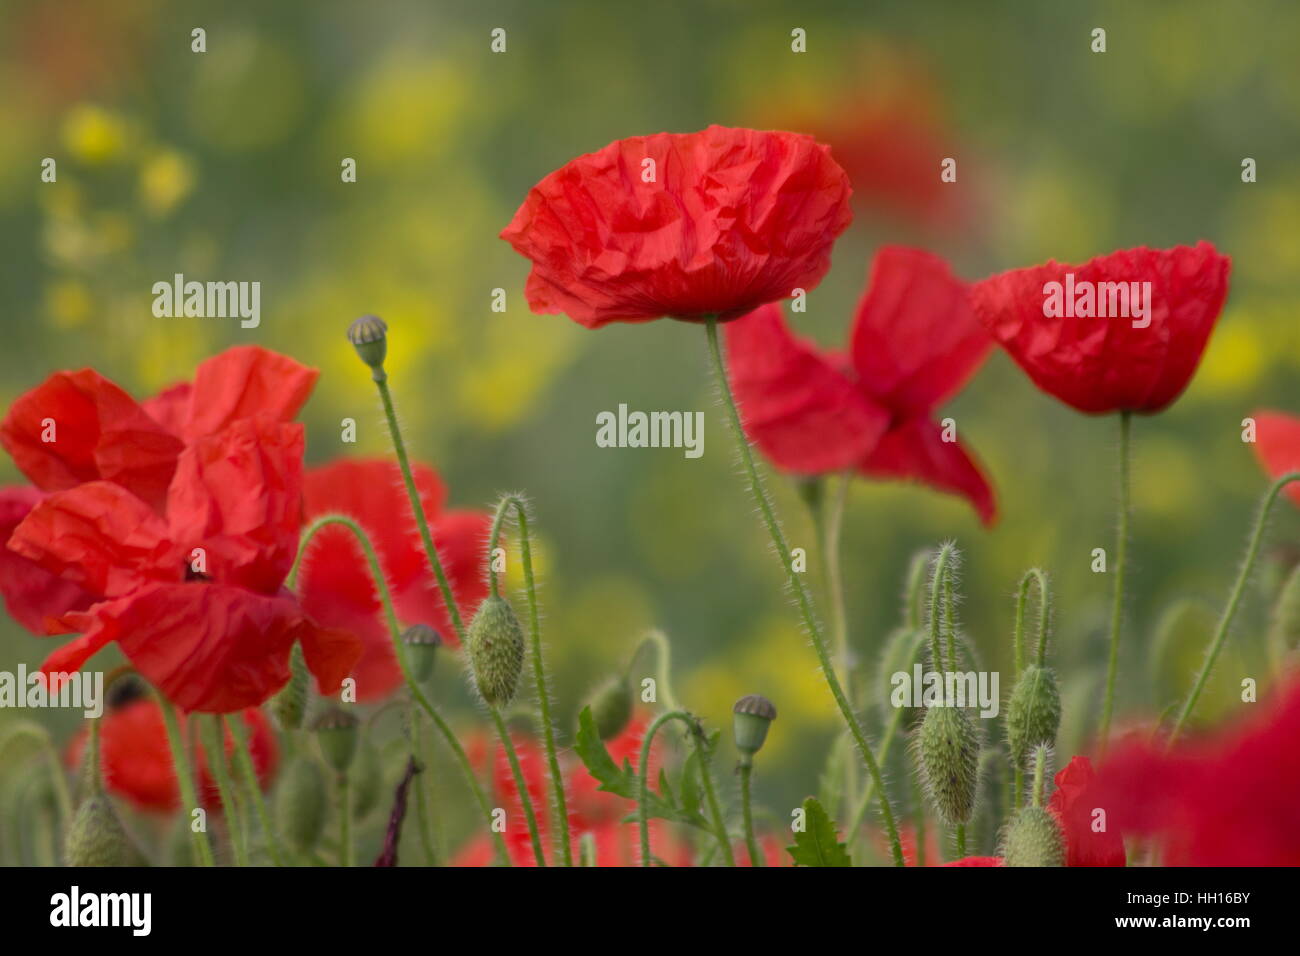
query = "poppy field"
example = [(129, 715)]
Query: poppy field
[(458, 443)]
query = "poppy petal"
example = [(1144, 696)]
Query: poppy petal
[(31, 593), (1075, 802), (916, 450), (242, 382), (1277, 445)]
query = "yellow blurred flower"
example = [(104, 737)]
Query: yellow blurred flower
[(68, 303), (94, 135), (166, 178), (1236, 356)]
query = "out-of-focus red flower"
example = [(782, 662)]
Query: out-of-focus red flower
[(1277, 444), (31, 593), (684, 225), (335, 585), (193, 596), (1099, 365), (915, 343), (78, 427), (1073, 803), (137, 760), (1228, 799), (976, 861)]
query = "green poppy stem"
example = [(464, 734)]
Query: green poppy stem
[(1121, 551)]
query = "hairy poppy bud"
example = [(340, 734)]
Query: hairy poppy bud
[(336, 732), (948, 748), (611, 707), (96, 836), (751, 718), (369, 336), (290, 705), (422, 643), (1033, 713), (1033, 838), (300, 805), (496, 651)]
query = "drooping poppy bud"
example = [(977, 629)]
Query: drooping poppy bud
[(611, 707), (422, 643), (1033, 713), (300, 804), (369, 336), (948, 748), (751, 718), (1033, 838), (290, 705), (96, 836), (496, 651), (336, 732)]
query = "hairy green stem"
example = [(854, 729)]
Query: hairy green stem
[(345, 820), (1234, 600), (1121, 551), (802, 598), (706, 779), (559, 804), (184, 777), (663, 683), (248, 771), (747, 813), (216, 748), (521, 784)]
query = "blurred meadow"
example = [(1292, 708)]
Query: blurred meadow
[(226, 165)]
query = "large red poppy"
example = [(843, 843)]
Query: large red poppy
[(1228, 799), (914, 344), (335, 585), (1277, 445), (1109, 364), (137, 760), (685, 225), (78, 427), (192, 596)]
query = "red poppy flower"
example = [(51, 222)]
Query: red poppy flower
[(976, 861), (915, 342), (1277, 445), (335, 586), (78, 427), (1074, 803), (685, 225), (32, 594), (137, 760), (1121, 362), (193, 597), (1228, 799)]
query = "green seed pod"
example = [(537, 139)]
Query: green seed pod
[(496, 651), (290, 705), (1033, 838), (367, 780), (336, 732), (948, 749), (1284, 628), (751, 718), (301, 808), (369, 336), (96, 836), (611, 707), (1033, 713), (422, 643)]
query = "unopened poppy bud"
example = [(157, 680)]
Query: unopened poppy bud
[(1033, 838), (1033, 713), (1284, 630), (290, 705), (948, 748), (369, 336), (336, 732), (300, 804), (96, 836), (496, 651), (750, 720), (611, 708), (422, 643)]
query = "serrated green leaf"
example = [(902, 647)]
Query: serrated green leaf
[(819, 843), (591, 751), (665, 789), (691, 795)]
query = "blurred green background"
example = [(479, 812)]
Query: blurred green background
[(225, 165)]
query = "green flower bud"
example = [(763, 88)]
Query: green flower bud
[(1033, 838), (496, 651), (301, 809), (369, 336), (290, 705), (422, 643), (948, 748), (1284, 629), (336, 732), (611, 707), (1033, 713), (751, 718), (96, 836)]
